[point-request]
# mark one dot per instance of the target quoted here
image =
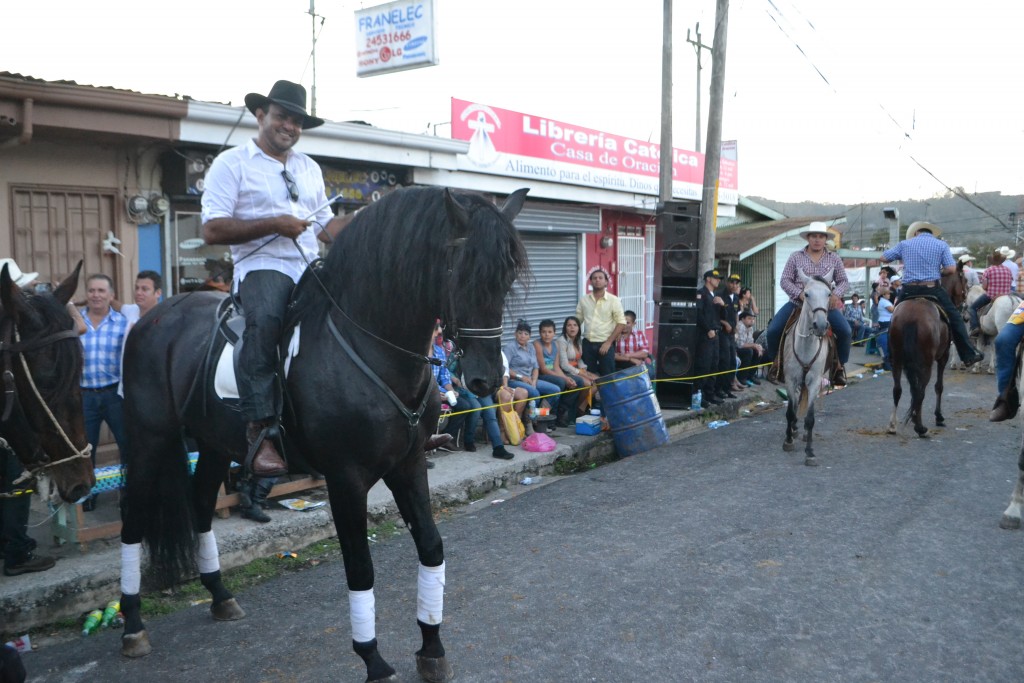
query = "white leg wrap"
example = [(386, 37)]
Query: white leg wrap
[(131, 568), (208, 557), (362, 612), (430, 596)]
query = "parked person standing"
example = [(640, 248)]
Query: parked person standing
[(970, 274), (1011, 262), (603, 322), (103, 344), (926, 259), (255, 195), (709, 325), (726, 382), (884, 319), (148, 290)]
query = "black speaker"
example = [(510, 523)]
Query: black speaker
[(675, 350), (184, 171), (676, 251)]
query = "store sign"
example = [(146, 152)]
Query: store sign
[(394, 37), (509, 143)]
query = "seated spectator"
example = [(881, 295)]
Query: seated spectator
[(570, 359), (632, 349), (443, 379), (480, 408), (749, 352), (854, 315), (550, 370), (524, 370)]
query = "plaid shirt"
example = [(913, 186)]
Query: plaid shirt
[(634, 341), (799, 260), (998, 281), (924, 256), (102, 346)]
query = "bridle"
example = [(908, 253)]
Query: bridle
[(796, 329), (11, 345)]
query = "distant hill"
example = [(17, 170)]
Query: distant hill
[(962, 224)]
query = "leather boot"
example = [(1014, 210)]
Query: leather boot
[(839, 375), (250, 508), (266, 462)]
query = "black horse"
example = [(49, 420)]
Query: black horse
[(361, 398), (41, 408)]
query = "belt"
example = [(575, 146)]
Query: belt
[(109, 387), (922, 283)]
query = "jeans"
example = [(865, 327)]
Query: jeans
[(1006, 350), (264, 295), (883, 344), (836, 319), (982, 300), (595, 362), (15, 543), (570, 401), (542, 389), (468, 401), (99, 406)]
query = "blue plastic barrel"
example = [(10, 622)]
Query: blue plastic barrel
[(633, 413)]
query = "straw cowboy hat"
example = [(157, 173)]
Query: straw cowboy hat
[(289, 96), (20, 279), (918, 226), (966, 258), (815, 228), (1007, 253)]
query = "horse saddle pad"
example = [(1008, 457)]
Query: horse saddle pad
[(225, 384), (926, 297)]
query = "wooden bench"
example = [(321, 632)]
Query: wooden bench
[(69, 522)]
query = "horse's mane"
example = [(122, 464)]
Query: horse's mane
[(43, 315), (401, 248)]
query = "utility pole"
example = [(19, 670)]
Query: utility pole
[(667, 157), (312, 14), (697, 47), (713, 157)]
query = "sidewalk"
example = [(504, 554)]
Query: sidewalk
[(81, 581)]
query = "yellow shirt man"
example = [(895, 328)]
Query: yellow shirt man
[(603, 321)]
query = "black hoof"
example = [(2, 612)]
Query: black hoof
[(434, 669), (135, 645), (229, 610), (789, 446), (922, 431), (1008, 522)]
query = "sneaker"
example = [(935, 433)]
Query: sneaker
[(469, 446), (32, 563), (500, 453)]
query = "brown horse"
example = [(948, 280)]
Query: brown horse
[(918, 337)]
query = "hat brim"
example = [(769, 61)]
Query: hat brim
[(26, 278), (255, 100)]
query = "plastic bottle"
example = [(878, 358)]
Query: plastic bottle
[(92, 622), (110, 613), (533, 410), (717, 423), (696, 400)]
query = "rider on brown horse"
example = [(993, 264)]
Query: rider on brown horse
[(926, 259)]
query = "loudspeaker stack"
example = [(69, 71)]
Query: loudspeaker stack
[(676, 281)]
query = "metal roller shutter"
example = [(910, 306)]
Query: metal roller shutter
[(554, 290)]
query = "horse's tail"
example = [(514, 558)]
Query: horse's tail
[(913, 365), (159, 507)]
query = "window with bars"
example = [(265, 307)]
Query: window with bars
[(632, 284)]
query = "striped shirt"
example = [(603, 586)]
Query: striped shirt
[(924, 256), (246, 184), (800, 260), (998, 281), (102, 346)]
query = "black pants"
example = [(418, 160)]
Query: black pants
[(15, 543), (264, 295), (602, 365), (748, 359), (726, 361), (706, 363), (956, 321)]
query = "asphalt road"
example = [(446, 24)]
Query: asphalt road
[(716, 558)]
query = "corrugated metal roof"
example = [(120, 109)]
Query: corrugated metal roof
[(736, 242)]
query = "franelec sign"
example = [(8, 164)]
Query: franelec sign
[(508, 143), (394, 37)]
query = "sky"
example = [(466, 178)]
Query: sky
[(830, 102)]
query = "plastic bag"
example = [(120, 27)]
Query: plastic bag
[(512, 428), (539, 443)]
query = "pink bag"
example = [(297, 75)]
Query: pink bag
[(538, 443)]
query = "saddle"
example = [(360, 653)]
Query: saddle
[(776, 372), (927, 297)]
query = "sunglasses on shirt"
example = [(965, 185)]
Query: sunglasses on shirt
[(293, 188)]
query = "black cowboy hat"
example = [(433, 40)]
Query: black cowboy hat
[(289, 96)]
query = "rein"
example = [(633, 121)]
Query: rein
[(806, 367), (7, 349)]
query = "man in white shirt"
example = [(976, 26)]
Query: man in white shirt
[(268, 202)]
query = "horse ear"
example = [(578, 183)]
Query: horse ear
[(10, 294), (66, 289), (457, 213), (803, 276), (514, 203), (827, 277)]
